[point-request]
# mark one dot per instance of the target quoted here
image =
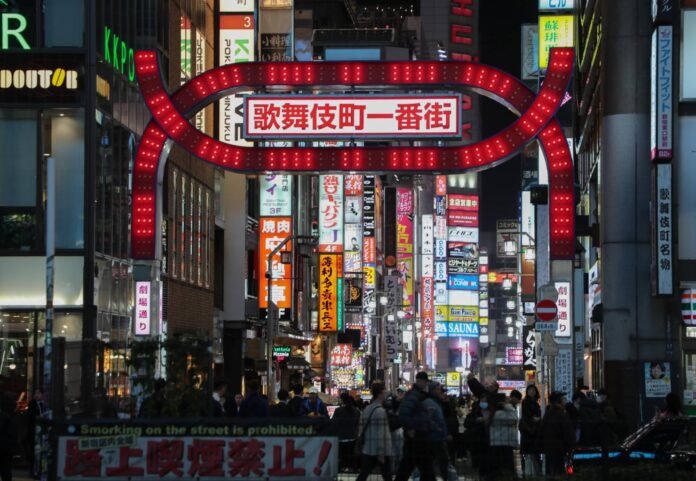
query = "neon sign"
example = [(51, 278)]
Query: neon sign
[(536, 122), (12, 28), (119, 55)]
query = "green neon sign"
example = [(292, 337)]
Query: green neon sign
[(119, 55), (12, 27)]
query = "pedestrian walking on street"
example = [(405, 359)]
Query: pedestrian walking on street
[(503, 438), (313, 406), (415, 421), (281, 409), (556, 436), (233, 405), (476, 435), (529, 426), (344, 425), (295, 403), (375, 437), (217, 409), (253, 405), (437, 434)]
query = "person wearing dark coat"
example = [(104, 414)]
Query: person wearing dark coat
[(476, 435), (216, 408), (233, 405), (281, 409), (254, 406), (556, 435), (313, 406), (344, 425), (489, 390), (415, 420), (295, 403), (529, 426)]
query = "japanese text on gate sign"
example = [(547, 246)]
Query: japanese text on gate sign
[(252, 458), (374, 116)]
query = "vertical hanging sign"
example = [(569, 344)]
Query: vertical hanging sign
[(661, 74), (404, 242), (328, 292), (330, 213), (142, 308), (662, 232)]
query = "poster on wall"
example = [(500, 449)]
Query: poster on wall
[(657, 379), (330, 213), (276, 195), (273, 231)]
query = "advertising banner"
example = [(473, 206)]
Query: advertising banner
[(236, 45), (440, 206), (565, 310), (513, 355), (463, 234), (462, 250), (427, 238), (142, 308), (341, 355), (554, 31), (463, 282), (353, 295), (249, 457), (462, 298), (463, 313), (529, 362), (329, 273), (330, 213), (661, 102), (441, 249), (462, 219), (276, 31), (351, 116), (404, 242), (563, 381), (427, 309), (441, 185), (237, 6), (662, 232), (273, 231), (507, 231), (462, 266), (369, 207), (276, 195), (369, 287), (354, 185), (467, 330), (553, 5), (657, 379), (460, 202), (45, 78), (353, 210)]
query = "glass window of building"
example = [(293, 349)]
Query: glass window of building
[(64, 22), (63, 140)]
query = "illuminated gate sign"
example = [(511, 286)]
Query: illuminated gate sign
[(348, 117), (536, 122)]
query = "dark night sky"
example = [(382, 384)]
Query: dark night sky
[(500, 23)]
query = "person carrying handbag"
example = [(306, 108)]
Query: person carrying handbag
[(374, 439)]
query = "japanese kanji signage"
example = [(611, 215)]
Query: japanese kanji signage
[(507, 231), (661, 103), (529, 362), (663, 261), (142, 308), (330, 213), (563, 380), (565, 309), (427, 243), (404, 242), (428, 306), (554, 31), (237, 6), (341, 355), (276, 195), (467, 203), (351, 117), (252, 458), (353, 293), (513, 355), (329, 273), (391, 338), (273, 231)]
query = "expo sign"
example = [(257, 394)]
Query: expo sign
[(349, 116)]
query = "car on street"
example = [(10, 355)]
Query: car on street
[(666, 441)]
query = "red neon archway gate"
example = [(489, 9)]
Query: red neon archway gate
[(536, 121)]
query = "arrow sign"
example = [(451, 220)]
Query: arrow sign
[(546, 310)]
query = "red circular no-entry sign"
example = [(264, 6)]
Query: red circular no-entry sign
[(546, 310)]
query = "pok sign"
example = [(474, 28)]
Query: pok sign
[(346, 117)]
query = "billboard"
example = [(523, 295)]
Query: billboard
[(467, 203), (351, 116), (662, 232), (554, 31), (463, 282), (463, 234), (273, 231), (276, 195), (404, 242), (507, 231), (457, 329), (462, 219), (236, 45), (661, 102), (565, 310), (330, 312), (330, 213)]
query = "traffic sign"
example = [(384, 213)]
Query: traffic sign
[(545, 326), (546, 310)]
